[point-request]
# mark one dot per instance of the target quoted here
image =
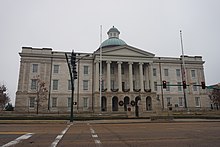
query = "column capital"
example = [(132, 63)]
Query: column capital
[(140, 63), (97, 61), (108, 62), (130, 63), (150, 64), (119, 62)]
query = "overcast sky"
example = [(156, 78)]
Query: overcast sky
[(150, 25)]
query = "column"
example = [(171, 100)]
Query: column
[(130, 76), (147, 76), (119, 77), (151, 83), (141, 77), (97, 76), (108, 76)]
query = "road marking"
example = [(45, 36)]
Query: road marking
[(19, 139), (59, 137), (95, 136), (92, 131), (13, 133), (97, 141)]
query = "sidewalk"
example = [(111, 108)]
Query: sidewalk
[(105, 121), (126, 121), (33, 121)]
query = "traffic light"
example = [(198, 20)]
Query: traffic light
[(203, 85), (164, 84), (73, 63), (75, 75), (184, 84), (73, 58)]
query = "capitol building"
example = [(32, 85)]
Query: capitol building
[(130, 84)]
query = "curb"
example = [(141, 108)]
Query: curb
[(33, 122)]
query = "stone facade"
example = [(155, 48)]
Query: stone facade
[(131, 81)]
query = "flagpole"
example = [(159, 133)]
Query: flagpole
[(100, 74), (183, 69)]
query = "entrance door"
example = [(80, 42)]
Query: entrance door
[(148, 103), (115, 103), (104, 104), (126, 102), (137, 99)]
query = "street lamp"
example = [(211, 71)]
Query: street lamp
[(73, 76)]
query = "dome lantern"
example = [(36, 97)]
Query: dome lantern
[(113, 38), (113, 33)]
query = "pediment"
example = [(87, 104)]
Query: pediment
[(125, 51)]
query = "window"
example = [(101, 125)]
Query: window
[(54, 102), (154, 72), (55, 84), (86, 70), (69, 102), (144, 84), (31, 102), (134, 84), (85, 102), (122, 70), (193, 73), (166, 72), (102, 84), (168, 100), (33, 84), (112, 84), (69, 85), (35, 68), (178, 72), (56, 69), (180, 101), (123, 85), (85, 84), (194, 87), (179, 86), (155, 86), (197, 100), (168, 87), (102, 69), (112, 69)]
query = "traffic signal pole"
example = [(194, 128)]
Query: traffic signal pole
[(72, 78)]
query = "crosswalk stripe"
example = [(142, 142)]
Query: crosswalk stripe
[(59, 137), (19, 139)]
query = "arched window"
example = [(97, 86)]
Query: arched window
[(115, 103)]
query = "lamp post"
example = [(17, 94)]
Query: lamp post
[(73, 76)]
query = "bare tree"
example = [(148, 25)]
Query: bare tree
[(41, 93), (4, 98), (215, 97)]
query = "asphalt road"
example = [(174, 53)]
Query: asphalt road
[(86, 134)]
